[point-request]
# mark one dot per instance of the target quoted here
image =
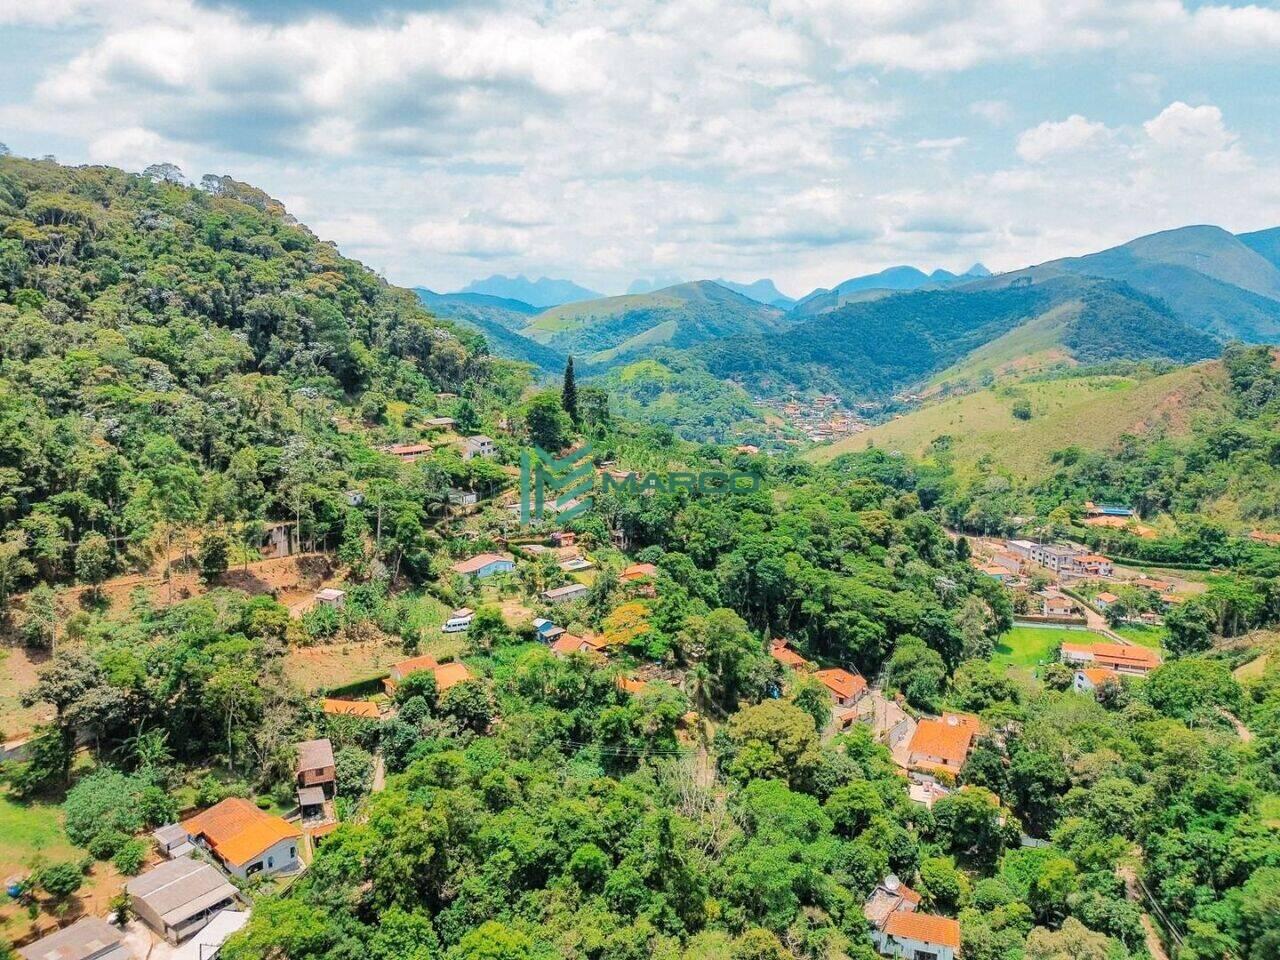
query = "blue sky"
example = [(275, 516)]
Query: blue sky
[(803, 140)]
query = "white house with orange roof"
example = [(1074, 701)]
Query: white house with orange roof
[(942, 744), (899, 929), (484, 565), (1088, 679), (446, 674), (1122, 658), (846, 688)]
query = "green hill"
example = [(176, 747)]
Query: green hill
[(1208, 278), (1091, 412), (874, 349), (499, 319), (607, 331)]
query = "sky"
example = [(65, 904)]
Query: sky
[(803, 140)]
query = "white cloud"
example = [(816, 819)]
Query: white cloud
[(1052, 138), (803, 139), (1196, 134)]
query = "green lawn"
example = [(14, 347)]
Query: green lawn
[(1029, 646), (1152, 637), (1269, 809), (28, 829)]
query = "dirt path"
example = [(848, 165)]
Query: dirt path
[(1155, 946), (1243, 732), (379, 774)]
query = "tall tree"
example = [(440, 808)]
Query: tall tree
[(569, 394)]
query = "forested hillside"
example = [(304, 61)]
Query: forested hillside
[(175, 355), (873, 349)]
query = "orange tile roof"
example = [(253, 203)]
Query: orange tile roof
[(351, 708), (638, 571), (630, 685), (948, 737), (237, 831), (1116, 654), (477, 563), (406, 667), (924, 926), (1107, 597), (1097, 675), (448, 674), (841, 682), (781, 651)]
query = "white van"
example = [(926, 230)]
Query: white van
[(458, 621)]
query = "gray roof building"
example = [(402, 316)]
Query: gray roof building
[(89, 938), (179, 897)]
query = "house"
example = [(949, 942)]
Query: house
[(478, 446), (331, 597), (441, 423), (1090, 678), (179, 897), (918, 936), (484, 565), (564, 538), (565, 594), (1060, 558), (1056, 605), (568, 643), (408, 452), (1132, 660), (246, 840), (1092, 509), (450, 674), (172, 841), (890, 896), (1094, 564), (747, 448), (638, 571), (546, 630), (942, 744), (926, 793), (1104, 600), (1266, 539), (463, 498), (446, 674), (350, 708), (354, 497), (315, 766), (89, 938), (995, 571), (311, 802), (846, 688), (207, 944), (781, 651), (1150, 583)]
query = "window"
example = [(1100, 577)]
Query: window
[(293, 853), (925, 955), (271, 862)]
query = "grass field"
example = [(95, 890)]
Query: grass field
[(1269, 809), (1031, 646), (1091, 412), (1152, 637), (28, 830)]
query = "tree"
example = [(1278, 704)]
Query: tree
[(970, 823), (354, 770), (548, 425), (40, 630), (59, 880), (93, 560), (569, 392), (492, 941), (1022, 409), (48, 762), (164, 173), (14, 567), (470, 703), (770, 741), (1190, 628), (814, 699), (1074, 941), (213, 555)]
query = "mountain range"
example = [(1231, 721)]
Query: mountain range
[(1176, 296), (543, 292)]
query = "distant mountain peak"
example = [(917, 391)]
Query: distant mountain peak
[(977, 270), (543, 292), (761, 291)]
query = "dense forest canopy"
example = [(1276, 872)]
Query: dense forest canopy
[(183, 366)]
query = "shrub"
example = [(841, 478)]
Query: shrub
[(131, 857), (59, 880), (105, 844)]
